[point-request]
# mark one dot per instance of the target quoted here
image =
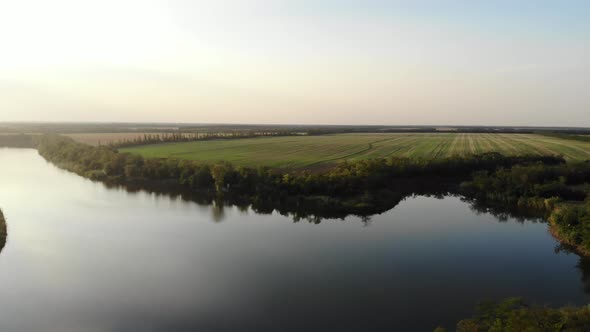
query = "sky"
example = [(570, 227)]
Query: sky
[(438, 62)]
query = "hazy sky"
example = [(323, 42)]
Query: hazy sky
[(487, 62)]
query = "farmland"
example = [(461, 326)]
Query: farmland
[(309, 151)]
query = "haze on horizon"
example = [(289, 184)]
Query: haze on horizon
[(297, 61)]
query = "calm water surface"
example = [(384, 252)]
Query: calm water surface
[(81, 257)]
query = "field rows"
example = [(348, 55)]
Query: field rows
[(307, 151)]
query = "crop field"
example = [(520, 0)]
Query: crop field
[(309, 151)]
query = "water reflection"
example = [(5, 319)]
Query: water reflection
[(584, 268), (505, 214), (311, 209), (217, 211), (583, 265), (3, 231), (316, 211), (313, 213)]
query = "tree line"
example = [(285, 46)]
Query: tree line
[(178, 137)]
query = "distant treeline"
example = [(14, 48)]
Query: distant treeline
[(71, 128), (568, 136), (17, 141), (158, 138)]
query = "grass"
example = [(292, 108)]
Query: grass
[(309, 151)]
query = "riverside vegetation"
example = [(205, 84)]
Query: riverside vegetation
[(515, 315), (545, 185)]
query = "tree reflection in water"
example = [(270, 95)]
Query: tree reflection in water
[(583, 264), (313, 209), (317, 209), (3, 232)]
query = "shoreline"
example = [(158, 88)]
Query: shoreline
[(569, 245)]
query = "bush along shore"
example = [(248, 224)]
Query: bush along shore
[(515, 315)]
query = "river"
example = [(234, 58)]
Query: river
[(83, 257)]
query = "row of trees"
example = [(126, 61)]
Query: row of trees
[(157, 138)]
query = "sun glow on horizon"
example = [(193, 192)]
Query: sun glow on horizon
[(282, 61)]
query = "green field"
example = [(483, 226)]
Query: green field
[(309, 151)]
